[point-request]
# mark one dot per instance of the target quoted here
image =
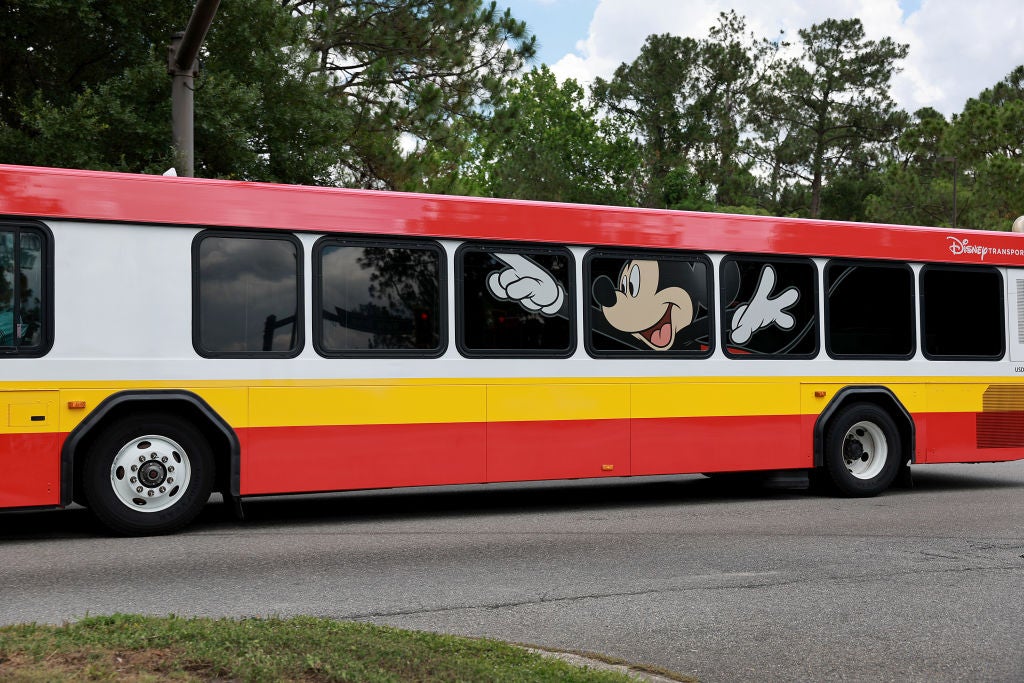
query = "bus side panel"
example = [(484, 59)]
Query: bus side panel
[(974, 423), (973, 437), (334, 438), (342, 457), (30, 464), (564, 449), (29, 449), (557, 431), (718, 444), (681, 427)]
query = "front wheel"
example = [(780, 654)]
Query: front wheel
[(149, 474), (862, 450)]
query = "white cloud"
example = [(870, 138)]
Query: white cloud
[(957, 48)]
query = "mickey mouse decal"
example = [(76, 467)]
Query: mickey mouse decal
[(655, 302), (652, 304)]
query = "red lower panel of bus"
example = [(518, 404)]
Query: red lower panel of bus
[(970, 437), (295, 459), (29, 470)]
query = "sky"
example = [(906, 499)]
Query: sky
[(958, 48)]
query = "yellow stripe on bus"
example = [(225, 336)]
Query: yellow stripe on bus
[(44, 406)]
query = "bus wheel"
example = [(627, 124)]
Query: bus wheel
[(862, 450), (149, 474)]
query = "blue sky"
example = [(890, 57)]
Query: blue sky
[(957, 47)]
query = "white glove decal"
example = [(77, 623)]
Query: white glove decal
[(763, 311), (526, 283)]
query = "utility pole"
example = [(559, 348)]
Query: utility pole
[(183, 66)]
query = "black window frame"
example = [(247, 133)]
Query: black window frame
[(922, 294), (317, 295), (654, 255), (517, 248), (46, 333), (768, 259), (300, 279), (826, 318)]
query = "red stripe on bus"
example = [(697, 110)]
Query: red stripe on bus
[(970, 437), (90, 195), (330, 458), (29, 470)]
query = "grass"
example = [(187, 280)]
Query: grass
[(150, 649)]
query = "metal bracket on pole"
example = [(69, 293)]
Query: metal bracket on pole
[(183, 66)]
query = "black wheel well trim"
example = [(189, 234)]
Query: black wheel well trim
[(142, 397), (847, 395)]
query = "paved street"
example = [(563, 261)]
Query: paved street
[(688, 573)]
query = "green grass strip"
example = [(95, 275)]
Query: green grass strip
[(143, 649)]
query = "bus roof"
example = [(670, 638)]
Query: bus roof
[(133, 198)]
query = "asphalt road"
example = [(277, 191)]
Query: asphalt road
[(689, 573)]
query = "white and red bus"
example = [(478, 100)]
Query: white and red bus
[(162, 338)]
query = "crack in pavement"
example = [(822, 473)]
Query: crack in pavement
[(669, 590)]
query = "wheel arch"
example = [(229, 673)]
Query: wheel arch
[(880, 396), (221, 437)]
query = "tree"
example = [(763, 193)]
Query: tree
[(405, 70), (981, 151), (546, 142), (655, 98), (916, 185), (732, 65), (292, 91), (987, 140), (829, 103)]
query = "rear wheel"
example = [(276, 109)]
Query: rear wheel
[(148, 474), (862, 450)]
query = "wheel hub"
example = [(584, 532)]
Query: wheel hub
[(152, 474)]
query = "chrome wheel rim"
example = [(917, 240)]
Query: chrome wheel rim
[(150, 473), (865, 450)]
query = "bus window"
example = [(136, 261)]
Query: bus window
[(647, 304), (22, 291), (961, 313), (515, 301), (247, 295), (378, 298), (769, 307), (869, 310)]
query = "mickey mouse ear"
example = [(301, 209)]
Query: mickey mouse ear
[(730, 273), (603, 290)]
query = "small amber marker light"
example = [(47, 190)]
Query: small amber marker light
[(607, 468), (819, 394), (76, 405)]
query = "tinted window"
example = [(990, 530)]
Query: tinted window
[(23, 278), (376, 298), (961, 312), (647, 304), (247, 295), (869, 309), (769, 307), (515, 301)]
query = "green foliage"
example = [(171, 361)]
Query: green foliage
[(121, 647), (654, 98), (829, 104), (295, 91), (546, 142), (981, 151)]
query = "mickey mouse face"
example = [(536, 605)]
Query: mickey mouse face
[(642, 305)]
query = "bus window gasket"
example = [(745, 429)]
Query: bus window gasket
[(626, 254), (356, 241), (516, 248), (270, 235)]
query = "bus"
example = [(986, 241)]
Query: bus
[(165, 338)]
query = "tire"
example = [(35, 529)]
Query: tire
[(148, 474), (862, 451)]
